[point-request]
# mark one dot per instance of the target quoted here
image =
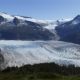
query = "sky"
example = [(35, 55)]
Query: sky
[(42, 9)]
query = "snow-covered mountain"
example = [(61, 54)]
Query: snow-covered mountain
[(49, 24), (27, 28), (70, 31), (18, 53), (23, 28), (9, 18)]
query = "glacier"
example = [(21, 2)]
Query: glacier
[(19, 53)]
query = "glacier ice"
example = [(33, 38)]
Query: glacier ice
[(18, 53)]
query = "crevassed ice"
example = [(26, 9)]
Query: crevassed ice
[(18, 53)]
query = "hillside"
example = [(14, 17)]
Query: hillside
[(41, 72)]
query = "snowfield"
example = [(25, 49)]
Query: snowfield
[(18, 53)]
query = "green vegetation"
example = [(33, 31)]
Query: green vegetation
[(47, 71)]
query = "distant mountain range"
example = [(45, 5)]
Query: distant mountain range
[(27, 28)]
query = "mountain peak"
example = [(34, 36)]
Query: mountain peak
[(76, 20), (77, 17), (6, 16)]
